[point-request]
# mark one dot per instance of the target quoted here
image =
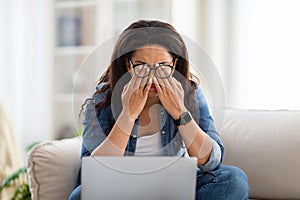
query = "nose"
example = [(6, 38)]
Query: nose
[(152, 74)]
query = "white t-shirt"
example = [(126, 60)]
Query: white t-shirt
[(149, 145)]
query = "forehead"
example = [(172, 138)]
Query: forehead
[(152, 53)]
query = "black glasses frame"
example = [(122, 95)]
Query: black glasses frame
[(151, 67)]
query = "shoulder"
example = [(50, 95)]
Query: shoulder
[(100, 86), (101, 91), (201, 99), (199, 93), (195, 85), (97, 96)]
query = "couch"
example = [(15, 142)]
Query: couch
[(265, 144)]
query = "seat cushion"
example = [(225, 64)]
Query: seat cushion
[(266, 145), (53, 168)]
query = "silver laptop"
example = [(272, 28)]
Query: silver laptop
[(138, 178)]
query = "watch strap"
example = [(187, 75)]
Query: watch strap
[(184, 119)]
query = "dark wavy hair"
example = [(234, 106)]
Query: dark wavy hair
[(137, 35)]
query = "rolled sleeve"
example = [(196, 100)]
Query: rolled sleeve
[(214, 159)]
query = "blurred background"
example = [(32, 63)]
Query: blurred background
[(254, 45)]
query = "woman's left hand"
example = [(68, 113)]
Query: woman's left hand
[(171, 96)]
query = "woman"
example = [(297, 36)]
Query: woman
[(148, 103)]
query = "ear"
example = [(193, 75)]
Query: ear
[(175, 62), (127, 64)]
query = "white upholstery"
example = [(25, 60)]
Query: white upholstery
[(265, 144), (52, 168)]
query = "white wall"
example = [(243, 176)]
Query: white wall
[(254, 45)]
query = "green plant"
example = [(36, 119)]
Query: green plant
[(79, 132), (18, 178)]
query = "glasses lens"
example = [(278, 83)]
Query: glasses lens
[(141, 70), (163, 71)]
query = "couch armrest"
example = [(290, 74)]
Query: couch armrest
[(53, 167)]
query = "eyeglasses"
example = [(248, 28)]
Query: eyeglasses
[(161, 70)]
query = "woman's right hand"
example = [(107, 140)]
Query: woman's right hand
[(134, 95)]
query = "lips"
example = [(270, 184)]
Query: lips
[(152, 87)]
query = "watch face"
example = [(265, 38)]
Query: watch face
[(186, 118)]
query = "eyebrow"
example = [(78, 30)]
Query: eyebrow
[(160, 63)]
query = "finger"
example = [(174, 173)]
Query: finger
[(138, 79), (178, 84), (165, 81), (126, 87), (142, 86), (157, 86), (161, 84), (172, 82), (169, 79), (130, 87), (146, 91), (133, 78), (167, 84), (144, 81)]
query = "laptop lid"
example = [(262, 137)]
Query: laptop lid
[(135, 178)]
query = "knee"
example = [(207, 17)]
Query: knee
[(76, 193), (237, 182)]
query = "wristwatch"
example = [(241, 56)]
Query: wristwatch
[(185, 118)]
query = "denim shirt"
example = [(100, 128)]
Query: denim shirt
[(96, 129)]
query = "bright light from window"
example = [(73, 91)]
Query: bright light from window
[(271, 59)]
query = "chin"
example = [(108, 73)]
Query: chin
[(152, 94)]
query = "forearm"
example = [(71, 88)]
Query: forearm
[(198, 143), (116, 142)]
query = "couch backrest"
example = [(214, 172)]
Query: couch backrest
[(266, 145)]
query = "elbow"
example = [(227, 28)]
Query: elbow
[(205, 159)]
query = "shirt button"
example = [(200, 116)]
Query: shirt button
[(134, 136), (162, 112), (163, 132)]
